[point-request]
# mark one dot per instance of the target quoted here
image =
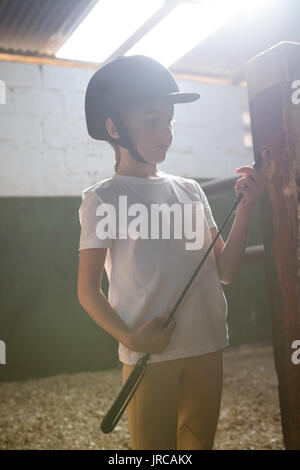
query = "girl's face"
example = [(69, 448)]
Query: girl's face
[(151, 128)]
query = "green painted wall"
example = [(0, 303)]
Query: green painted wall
[(248, 306), (46, 330)]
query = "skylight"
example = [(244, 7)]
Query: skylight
[(183, 28), (111, 22), (106, 27)]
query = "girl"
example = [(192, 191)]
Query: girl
[(130, 104)]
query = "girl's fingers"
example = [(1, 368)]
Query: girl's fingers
[(247, 169), (250, 176), (249, 192), (252, 183), (250, 173), (257, 185), (243, 190), (241, 182)]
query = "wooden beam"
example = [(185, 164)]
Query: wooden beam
[(253, 254), (275, 122), (158, 16), (28, 59), (219, 184)]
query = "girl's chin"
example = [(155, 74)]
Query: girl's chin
[(161, 151), (157, 155), (161, 157)]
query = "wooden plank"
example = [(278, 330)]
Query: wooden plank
[(27, 59), (254, 254), (275, 122)]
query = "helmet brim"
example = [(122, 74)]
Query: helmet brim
[(181, 97)]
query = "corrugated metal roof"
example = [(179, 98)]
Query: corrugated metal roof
[(39, 27)]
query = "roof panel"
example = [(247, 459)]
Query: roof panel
[(39, 27)]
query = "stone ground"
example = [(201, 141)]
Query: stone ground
[(64, 411)]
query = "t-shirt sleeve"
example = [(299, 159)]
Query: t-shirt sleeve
[(93, 234), (207, 210)]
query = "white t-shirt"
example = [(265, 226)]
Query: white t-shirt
[(147, 276)]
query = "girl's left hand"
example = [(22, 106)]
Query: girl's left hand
[(252, 184)]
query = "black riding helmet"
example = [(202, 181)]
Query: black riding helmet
[(121, 85)]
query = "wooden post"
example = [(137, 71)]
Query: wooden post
[(273, 79)]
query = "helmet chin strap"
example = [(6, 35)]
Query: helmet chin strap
[(125, 139)]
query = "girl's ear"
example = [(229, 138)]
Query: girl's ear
[(111, 128)]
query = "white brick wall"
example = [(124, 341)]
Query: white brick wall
[(46, 151)]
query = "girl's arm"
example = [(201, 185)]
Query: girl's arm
[(92, 299), (230, 254), (251, 185), (150, 337)]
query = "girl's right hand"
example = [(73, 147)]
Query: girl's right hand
[(151, 337)]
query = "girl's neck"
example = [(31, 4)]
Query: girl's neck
[(150, 172), (128, 166)]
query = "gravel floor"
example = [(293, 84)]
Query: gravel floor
[(64, 411)]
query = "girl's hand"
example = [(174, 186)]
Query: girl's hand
[(151, 337), (252, 184)]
